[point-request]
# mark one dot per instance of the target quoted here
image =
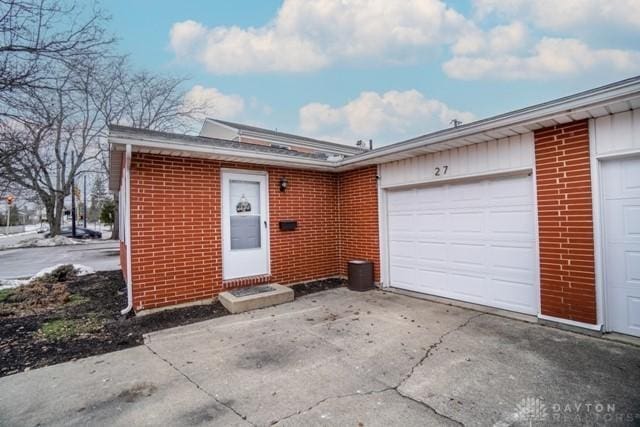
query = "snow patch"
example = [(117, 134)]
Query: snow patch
[(80, 270), (38, 241), (53, 241), (12, 283)]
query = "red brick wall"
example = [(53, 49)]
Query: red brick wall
[(565, 222), (176, 231), (358, 210), (310, 251)]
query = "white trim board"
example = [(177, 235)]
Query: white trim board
[(583, 325)]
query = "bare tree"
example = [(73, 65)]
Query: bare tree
[(34, 34), (60, 87), (56, 131), (146, 101)]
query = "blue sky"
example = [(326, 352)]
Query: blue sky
[(382, 69)]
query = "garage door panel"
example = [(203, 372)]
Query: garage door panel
[(402, 250), (467, 254), (466, 222), (428, 197), (431, 251), (632, 261), (512, 257), (509, 275), (403, 275), (512, 295), (621, 216), (628, 304), (627, 227), (433, 280), (400, 201), (430, 222), (467, 286), (631, 179), (623, 181), (514, 191), (466, 193), (513, 224), (473, 241), (400, 222), (633, 308)]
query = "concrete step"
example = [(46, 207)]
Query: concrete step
[(254, 297)]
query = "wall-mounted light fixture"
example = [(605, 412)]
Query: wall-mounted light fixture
[(283, 184)]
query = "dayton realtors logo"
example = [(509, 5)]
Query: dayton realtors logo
[(532, 410)]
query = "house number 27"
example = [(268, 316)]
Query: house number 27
[(441, 170)]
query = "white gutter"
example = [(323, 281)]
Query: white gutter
[(127, 228)]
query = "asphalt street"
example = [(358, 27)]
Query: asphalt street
[(25, 262)]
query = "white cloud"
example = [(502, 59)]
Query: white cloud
[(215, 103), (565, 14), (501, 39), (308, 36), (185, 36), (551, 58), (387, 117)]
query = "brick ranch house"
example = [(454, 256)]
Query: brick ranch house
[(535, 211)]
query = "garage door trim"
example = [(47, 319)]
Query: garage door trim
[(475, 177)]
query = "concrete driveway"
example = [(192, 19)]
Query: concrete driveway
[(340, 358)]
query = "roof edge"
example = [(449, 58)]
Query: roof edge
[(254, 131), (575, 103)]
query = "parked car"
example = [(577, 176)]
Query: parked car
[(81, 233)]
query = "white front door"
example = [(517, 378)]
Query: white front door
[(245, 233), (471, 241), (621, 216)]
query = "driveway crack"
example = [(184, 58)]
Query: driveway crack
[(320, 402), (428, 353), (429, 407), (212, 396), (433, 347)]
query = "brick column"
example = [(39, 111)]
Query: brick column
[(358, 210), (565, 222)]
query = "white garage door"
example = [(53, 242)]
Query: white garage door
[(472, 241), (621, 189)]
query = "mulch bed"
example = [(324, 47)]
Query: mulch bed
[(317, 286), (81, 318)]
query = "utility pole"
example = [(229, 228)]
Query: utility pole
[(84, 204), (73, 196)]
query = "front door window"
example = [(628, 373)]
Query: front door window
[(245, 217)]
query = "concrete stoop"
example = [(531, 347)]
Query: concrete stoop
[(245, 299)]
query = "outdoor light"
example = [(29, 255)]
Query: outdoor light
[(283, 184)]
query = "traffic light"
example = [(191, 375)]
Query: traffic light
[(10, 199)]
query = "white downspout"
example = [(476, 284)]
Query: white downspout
[(127, 228)]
